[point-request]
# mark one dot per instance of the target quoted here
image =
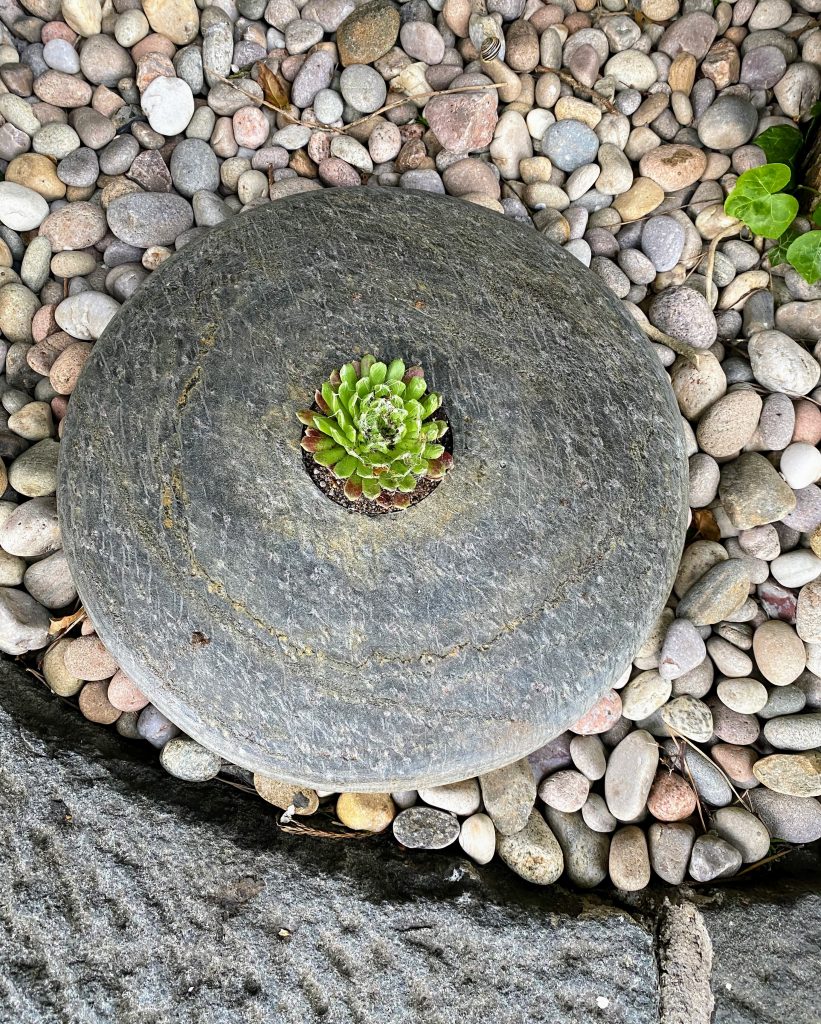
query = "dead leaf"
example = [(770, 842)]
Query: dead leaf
[(66, 623), (274, 86), (705, 523)]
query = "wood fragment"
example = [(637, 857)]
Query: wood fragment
[(568, 79), (681, 347), (316, 126)]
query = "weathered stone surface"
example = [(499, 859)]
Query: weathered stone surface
[(368, 930), (525, 562), (291, 931)]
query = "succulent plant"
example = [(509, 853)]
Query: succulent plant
[(374, 430)]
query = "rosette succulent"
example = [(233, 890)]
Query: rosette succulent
[(374, 430)]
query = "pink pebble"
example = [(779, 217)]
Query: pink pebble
[(290, 66), (154, 43), (546, 16), (43, 323), (807, 422), (251, 127), (57, 30), (124, 694), (59, 405), (602, 716), (337, 173)]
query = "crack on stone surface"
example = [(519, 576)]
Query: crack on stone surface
[(685, 960)]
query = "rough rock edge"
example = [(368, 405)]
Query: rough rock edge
[(131, 896)]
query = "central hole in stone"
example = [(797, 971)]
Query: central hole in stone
[(376, 439)]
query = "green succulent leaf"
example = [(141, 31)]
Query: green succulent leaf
[(416, 387), (780, 143), (324, 424), (371, 489), (758, 201), (365, 364), (431, 404), (345, 467), (348, 375), (805, 255), (318, 444), (377, 373), (433, 451), (329, 457), (396, 371), (330, 396), (353, 488)]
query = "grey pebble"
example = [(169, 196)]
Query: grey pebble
[(425, 828)]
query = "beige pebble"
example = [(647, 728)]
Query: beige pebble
[(366, 812), (94, 704), (285, 794)]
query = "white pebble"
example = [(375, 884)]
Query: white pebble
[(795, 568), (477, 838), (800, 465), (21, 208), (168, 103), (86, 316)]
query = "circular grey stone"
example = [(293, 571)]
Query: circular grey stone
[(194, 167), (426, 828), (570, 144), (326, 648)]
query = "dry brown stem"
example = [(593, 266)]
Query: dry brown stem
[(568, 79), (316, 126)]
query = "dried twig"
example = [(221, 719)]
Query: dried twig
[(280, 110), (731, 229), (682, 760), (767, 860), (678, 736), (683, 349), (316, 126), (570, 80), (334, 829), (422, 95)]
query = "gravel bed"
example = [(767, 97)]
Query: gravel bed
[(616, 130)]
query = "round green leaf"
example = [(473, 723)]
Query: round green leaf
[(780, 143), (805, 255), (757, 200)]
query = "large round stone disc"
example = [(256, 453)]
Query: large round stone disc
[(324, 647)]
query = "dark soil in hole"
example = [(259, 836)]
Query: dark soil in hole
[(334, 489)]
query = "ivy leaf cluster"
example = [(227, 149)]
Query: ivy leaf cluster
[(762, 201)]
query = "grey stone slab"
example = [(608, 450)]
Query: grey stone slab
[(355, 653), (129, 897), (767, 950)]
